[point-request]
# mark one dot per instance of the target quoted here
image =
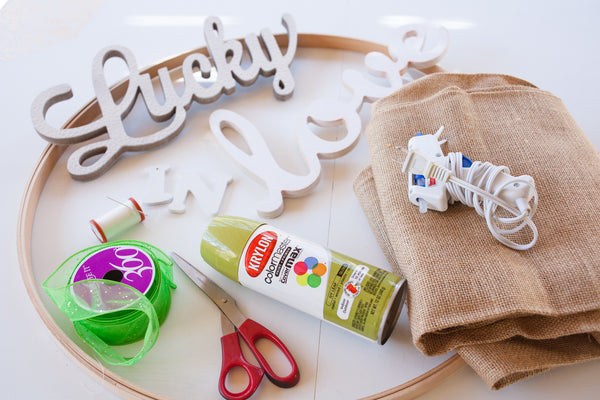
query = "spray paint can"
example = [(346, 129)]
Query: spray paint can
[(326, 284)]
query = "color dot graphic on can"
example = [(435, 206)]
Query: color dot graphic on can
[(309, 272)]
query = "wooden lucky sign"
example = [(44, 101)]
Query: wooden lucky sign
[(225, 69)]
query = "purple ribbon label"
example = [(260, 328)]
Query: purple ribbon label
[(128, 265)]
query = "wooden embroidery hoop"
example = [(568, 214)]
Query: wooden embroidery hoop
[(50, 156)]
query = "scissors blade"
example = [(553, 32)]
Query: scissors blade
[(227, 326), (224, 301)]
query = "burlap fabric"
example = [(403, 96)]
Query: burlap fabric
[(510, 314)]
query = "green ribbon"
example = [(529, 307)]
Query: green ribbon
[(107, 314)]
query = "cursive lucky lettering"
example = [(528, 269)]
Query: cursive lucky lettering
[(223, 68)]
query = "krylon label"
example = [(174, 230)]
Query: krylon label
[(259, 251), (320, 282), (286, 268)]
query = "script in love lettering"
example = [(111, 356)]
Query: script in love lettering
[(223, 69), (207, 190), (408, 51)]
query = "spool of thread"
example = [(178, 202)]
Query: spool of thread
[(118, 220)]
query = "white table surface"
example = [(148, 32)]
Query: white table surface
[(552, 44)]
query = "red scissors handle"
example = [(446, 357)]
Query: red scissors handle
[(251, 331), (232, 357)]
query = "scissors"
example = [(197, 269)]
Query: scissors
[(235, 325)]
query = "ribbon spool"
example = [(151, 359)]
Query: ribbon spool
[(115, 294), (118, 220)]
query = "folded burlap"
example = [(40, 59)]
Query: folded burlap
[(510, 314)]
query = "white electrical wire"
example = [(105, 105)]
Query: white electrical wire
[(473, 187)]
